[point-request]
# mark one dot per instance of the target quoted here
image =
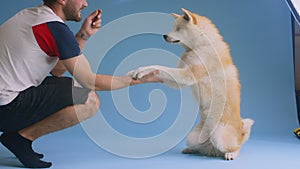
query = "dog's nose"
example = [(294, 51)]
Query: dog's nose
[(165, 37)]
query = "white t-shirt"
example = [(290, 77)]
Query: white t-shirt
[(31, 43)]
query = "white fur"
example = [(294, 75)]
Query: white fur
[(206, 66)]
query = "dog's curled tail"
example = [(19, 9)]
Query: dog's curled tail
[(247, 124)]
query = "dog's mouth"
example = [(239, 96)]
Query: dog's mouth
[(170, 40)]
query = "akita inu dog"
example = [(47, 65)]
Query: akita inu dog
[(207, 67)]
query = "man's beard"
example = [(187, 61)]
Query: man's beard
[(71, 14)]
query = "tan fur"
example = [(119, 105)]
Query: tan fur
[(207, 67)]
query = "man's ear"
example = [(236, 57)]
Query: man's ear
[(62, 2)]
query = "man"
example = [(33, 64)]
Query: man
[(33, 43)]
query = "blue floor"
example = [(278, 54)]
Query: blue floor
[(72, 149), (264, 59)]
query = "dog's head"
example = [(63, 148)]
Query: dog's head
[(188, 28)]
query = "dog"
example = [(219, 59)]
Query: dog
[(206, 66)]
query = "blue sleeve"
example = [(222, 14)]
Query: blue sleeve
[(65, 41)]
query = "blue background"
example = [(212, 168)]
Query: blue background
[(260, 37)]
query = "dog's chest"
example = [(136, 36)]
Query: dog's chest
[(190, 58)]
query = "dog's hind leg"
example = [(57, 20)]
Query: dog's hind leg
[(193, 141), (226, 140), (231, 155), (189, 151), (195, 146)]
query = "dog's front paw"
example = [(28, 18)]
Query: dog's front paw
[(132, 74), (141, 72)]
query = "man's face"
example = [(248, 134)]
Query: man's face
[(72, 10)]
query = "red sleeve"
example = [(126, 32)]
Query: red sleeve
[(56, 40)]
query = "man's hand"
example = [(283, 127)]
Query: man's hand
[(90, 25), (148, 78)]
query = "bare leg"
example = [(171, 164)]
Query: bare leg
[(64, 118), (20, 143)]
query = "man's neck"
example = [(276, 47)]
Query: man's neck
[(56, 10)]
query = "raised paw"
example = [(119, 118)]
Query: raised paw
[(141, 72), (132, 74)]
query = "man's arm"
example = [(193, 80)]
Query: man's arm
[(80, 68), (89, 27), (59, 69)]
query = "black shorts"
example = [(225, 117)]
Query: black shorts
[(36, 103)]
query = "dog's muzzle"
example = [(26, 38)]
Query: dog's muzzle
[(170, 40)]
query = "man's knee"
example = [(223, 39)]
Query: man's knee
[(93, 103)]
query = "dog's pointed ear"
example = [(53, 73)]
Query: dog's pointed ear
[(189, 16), (186, 14), (175, 15)]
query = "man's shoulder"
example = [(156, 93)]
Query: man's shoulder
[(39, 14)]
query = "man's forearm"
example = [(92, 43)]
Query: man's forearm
[(107, 82), (81, 38), (59, 69)]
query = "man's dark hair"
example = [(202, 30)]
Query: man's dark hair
[(49, 1)]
